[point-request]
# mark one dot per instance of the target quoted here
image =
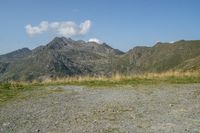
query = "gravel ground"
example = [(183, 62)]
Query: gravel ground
[(73, 109)]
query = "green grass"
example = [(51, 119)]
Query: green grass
[(12, 90), (9, 91), (182, 79)]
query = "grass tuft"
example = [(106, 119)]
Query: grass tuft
[(13, 89), (117, 79)]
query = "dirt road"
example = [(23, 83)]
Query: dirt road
[(73, 109)]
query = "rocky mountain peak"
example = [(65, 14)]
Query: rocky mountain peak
[(59, 42), (17, 53)]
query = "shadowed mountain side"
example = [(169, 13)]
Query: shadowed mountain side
[(65, 57), (60, 57)]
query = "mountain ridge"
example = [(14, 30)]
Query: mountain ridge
[(60, 57), (66, 57)]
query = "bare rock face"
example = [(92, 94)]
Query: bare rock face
[(64, 57), (60, 57)]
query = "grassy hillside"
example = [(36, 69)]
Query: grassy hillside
[(181, 55)]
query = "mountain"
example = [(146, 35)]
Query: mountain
[(15, 54), (65, 57), (60, 57), (181, 55)]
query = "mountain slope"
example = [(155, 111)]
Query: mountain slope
[(15, 54), (60, 57), (160, 57), (66, 57), (192, 64)]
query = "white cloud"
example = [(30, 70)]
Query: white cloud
[(54, 24), (65, 28), (32, 30), (95, 40), (84, 27)]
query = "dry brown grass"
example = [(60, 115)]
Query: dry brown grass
[(119, 78), (13, 88)]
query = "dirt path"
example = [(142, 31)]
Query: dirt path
[(160, 108)]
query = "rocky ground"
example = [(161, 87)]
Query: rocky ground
[(73, 109)]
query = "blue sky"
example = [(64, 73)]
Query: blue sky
[(123, 24)]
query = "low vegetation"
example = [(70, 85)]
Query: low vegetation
[(118, 79), (13, 89)]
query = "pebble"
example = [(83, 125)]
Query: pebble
[(6, 124), (38, 130)]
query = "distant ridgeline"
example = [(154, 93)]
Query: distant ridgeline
[(65, 57)]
